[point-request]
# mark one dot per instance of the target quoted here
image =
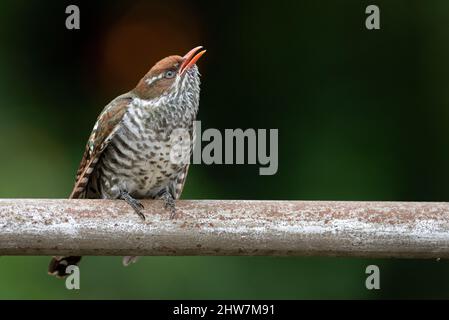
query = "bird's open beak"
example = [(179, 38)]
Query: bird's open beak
[(190, 59)]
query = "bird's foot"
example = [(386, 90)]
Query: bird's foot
[(169, 203), (134, 203)]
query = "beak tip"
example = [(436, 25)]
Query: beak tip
[(191, 58)]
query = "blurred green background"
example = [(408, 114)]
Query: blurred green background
[(362, 115)]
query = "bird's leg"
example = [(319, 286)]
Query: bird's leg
[(134, 203), (169, 202)]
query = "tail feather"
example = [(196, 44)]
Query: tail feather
[(59, 264), (129, 260)]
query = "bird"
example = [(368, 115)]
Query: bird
[(129, 154)]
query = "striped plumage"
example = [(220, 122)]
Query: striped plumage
[(129, 154)]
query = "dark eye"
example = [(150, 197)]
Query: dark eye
[(170, 74)]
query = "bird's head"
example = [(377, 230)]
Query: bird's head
[(173, 75)]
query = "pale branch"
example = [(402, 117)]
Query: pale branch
[(225, 227)]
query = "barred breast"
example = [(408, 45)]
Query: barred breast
[(140, 157)]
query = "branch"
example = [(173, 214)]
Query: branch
[(203, 227)]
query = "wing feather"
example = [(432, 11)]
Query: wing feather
[(106, 126), (177, 185)]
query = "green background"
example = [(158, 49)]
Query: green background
[(362, 115)]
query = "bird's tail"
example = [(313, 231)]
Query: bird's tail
[(59, 264), (129, 260)]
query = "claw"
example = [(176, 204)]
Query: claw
[(141, 215), (173, 213), (134, 203), (138, 204), (169, 203)]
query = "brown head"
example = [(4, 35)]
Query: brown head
[(169, 74)]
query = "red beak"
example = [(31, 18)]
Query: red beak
[(190, 59)]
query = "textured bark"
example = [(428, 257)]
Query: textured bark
[(203, 227)]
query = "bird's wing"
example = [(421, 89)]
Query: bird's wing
[(106, 126), (178, 184)]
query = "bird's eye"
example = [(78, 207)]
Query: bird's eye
[(170, 74)]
